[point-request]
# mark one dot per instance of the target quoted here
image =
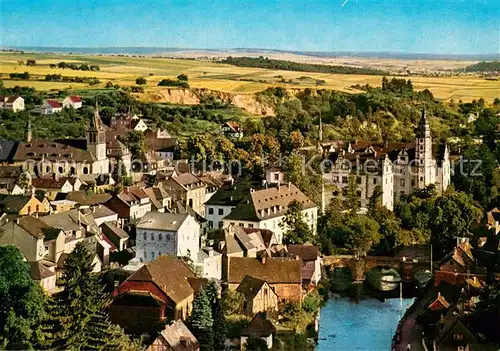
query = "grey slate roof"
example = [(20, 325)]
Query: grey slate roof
[(162, 221)]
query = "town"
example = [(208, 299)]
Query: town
[(336, 187)]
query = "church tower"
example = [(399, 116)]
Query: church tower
[(425, 172), (96, 136)]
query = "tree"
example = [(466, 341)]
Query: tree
[(109, 85), (22, 303), (200, 147), (452, 217), (78, 320), (140, 81), (295, 316), (351, 195), (182, 77), (200, 320), (220, 325), (30, 62), (212, 291), (296, 230), (306, 179), (232, 301)]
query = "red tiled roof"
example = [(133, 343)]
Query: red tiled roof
[(54, 103), (75, 98)]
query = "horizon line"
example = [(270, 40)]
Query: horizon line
[(293, 51)]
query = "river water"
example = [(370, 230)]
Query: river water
[(366, 325)]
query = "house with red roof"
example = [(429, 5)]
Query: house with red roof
[(50, 106), (73, 101)]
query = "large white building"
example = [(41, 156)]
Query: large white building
[(398, 168), (14, 103), (160, 233), (266, 209)]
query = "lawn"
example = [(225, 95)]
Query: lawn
[(222, 77)]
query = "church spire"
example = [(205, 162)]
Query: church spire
[(29, 134), (423, 129), (96, 122)]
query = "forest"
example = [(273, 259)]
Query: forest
[(261, 62)]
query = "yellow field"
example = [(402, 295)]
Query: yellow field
[(226, 78)]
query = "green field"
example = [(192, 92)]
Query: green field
[(220, 77)]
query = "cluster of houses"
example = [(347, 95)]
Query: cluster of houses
[(15, 103), (448, 319), (166, 235)]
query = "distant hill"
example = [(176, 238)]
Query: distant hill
[(493, 66), (261, 62)]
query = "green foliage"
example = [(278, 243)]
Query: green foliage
[(140, 81), (134, 141), (182, 77), (493, 66), (77, 319), (452, 217), (21, 76), (296, 230), (173, 83), (72, 79), (30, 62), (22, 303), (232, 301), (295, 317), (308, 180), (312, 302), (220, 328), (262, 62), (200, 146), (82, 67), (200, 320)]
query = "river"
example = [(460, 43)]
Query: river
[(366, 325)]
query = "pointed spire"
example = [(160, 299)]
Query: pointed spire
[(95, 122), (29, 134)]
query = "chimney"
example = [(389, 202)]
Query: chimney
[(289, 185), (263, 258)]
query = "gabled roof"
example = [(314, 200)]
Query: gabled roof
[(306, 252), (49, 183), (231, 194), (13, 203), (54, 103), (250, 286), (81, 198), (259, 327), (169, 274), (9, 98), (268, 203), (162, 221), (188, 181), (448, 324), (37, 228), (71, 150), (272, 270), (75, 98), (179, 338), (109, 228), (39, 271), (7, 150)]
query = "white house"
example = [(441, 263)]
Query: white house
[(50, 106), (266, 209), (209, 263), (167, 234), (72, 101), (232, 130), (139, 125), (14, 103)]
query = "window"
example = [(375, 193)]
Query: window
[(152, 255), (241, 225), (374, 181), (276, 176), (145, 255), (220, 225), (421, 179), (221, 211), (458, 336), (211, 210), (413, 182), (402, 182), (37, 208), (61, 170), (250, 225), (152, 236), (358, 180), (159, 237), (344, 180), (265, 292), (210, 224), (358, 193), (85, 170), (29, 209), (167, 237), (47, 169)]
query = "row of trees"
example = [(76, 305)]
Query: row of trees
[(73, 66)]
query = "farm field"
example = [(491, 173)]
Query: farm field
[(220, 77)]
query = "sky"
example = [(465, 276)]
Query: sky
[(403, 26)]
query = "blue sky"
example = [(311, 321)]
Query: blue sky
[(413, 26)]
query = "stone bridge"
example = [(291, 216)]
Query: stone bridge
[(360, 265)]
